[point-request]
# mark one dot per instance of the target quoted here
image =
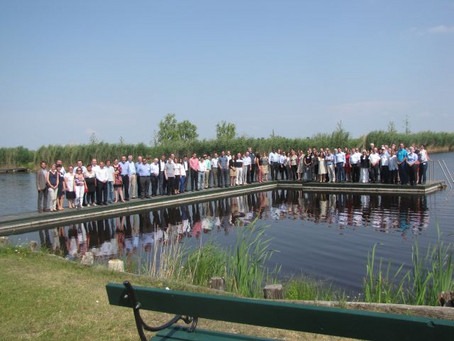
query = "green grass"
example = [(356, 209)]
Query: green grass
[(45, 297), (421, 285)]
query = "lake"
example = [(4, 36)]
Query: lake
[(324, 236)]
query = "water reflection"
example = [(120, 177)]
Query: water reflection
[(126, 236)]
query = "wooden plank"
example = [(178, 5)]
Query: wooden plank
[(181, 334), (321, 320)]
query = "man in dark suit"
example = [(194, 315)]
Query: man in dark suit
[(41, 185)]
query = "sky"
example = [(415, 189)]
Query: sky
[(71, 69)]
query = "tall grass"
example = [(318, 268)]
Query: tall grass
[(421, 285)]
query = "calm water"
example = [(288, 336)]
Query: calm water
[(325, 236)]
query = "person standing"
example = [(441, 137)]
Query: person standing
[(102, 177), (215, 170), (118, 181), (365, 164), (125, 177), (52, 185), (201, 172), (423, 162), (239, 169), (340, 165), (207, 170), (69, 187), (90, 181), (194, 167), (384, 166), (232, 170), (169, 174), (355, 159), (329, 163), (402, 164), (79, 187), (374, 160), (162, 178), (185, 164), (182, 176), (61, 187), (154, 170), (176, 185), (223, 163), (132, 177), (139, 162), (253, 171), (412, 166), (41, 186), (144, 175), (110, 182)]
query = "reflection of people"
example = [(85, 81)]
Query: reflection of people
[(41, 186)]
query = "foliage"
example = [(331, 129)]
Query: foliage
[(225, 130), (421, 285), (310, 289), (170, 130)]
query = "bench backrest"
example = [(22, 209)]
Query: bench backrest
[(299, 317)]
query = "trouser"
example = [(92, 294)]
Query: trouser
[(239, 176), (133, 184), (80, 191), (355, 172), (331, 173), (294, 169), (206, 182), (144, 182), (139, 190), (194, 180), (384, 174), (307, 173), (162, 183), (125, 179), (224, 179), (170, 185), (176, 184), (245, 174), (101, 193), (253, 172), (201, 179), (274, 170), (90, 198), (53, 198), (215, 176), (422, 172), (182, 183), (340, 172), (373, 173), (42, 199), (403, 173), (365, 175), (154, 185), (186, 179), (110, 191), (411, 170), (393, 176)]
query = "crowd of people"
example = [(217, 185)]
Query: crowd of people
[(115, 181)]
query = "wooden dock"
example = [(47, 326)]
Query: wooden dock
[(16, 224), (13, 170)]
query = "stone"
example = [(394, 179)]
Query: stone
[(87, 259), (217, 283), (446, 299), (3, 241), (273, 292), (33, 245), (116, 265)]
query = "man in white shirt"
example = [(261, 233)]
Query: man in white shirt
[(374, 160), (102, 176), (215, 170), (355, 160)]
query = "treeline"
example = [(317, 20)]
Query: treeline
[(69, 154)]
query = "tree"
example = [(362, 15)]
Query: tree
[(392, 128), (225, 130), (340, 136), (170, 130)]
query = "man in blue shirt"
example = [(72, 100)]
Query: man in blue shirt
[(144, 173), (223, 163), (402, 164)]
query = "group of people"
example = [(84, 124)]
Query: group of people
[(111, 182)]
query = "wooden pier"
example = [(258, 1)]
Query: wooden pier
[(13, 170), (15, 224)]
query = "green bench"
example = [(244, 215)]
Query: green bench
[(298, 317)]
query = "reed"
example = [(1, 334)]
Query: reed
[(428, 276), (305, 288)]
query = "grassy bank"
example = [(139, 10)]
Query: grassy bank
[(47, 298)]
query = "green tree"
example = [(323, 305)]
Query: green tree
[(225, 130), (170, 130)]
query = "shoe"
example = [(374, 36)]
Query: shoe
[(88, 205)]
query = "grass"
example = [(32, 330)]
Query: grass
[(308, 289), (421, 285), (45, 297)]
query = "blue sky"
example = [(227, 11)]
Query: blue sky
[(116, 68)]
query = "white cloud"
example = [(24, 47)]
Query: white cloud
[(441, 29)]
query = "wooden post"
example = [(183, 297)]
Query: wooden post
[(273, 292), (217, 283)]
